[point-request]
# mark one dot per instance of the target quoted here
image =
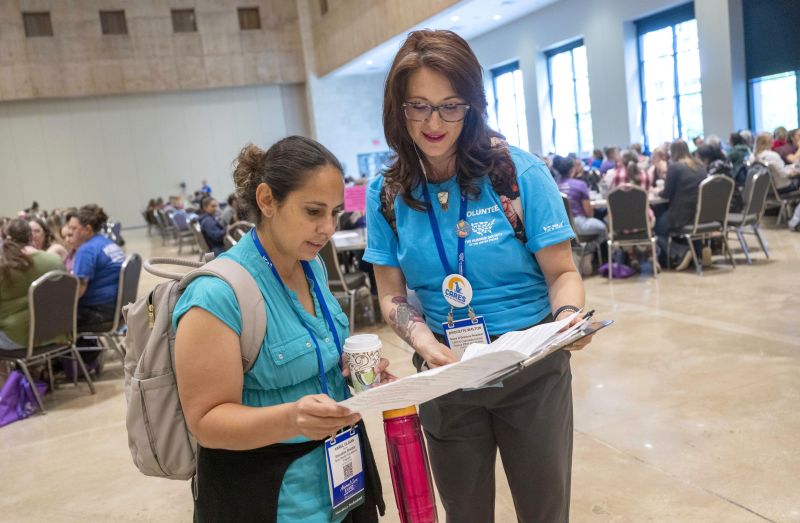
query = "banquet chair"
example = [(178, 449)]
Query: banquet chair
[(347, 284), (711, 217), (111, 334), (588, 243), (200, 239), (628, 224), (53, 310), (755, 197)]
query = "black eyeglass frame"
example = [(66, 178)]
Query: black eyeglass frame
[(436, 108)]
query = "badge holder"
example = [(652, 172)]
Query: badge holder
[(345, 464), (460, 334)]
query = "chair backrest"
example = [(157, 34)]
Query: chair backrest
[(331, 261), (755, 195), (627, 211), (713, 200), (128, 285), (179, 219), (198, 236), (53, 308), (239, 229), (565, 201)]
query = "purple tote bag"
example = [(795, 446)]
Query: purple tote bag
[(16, 399)]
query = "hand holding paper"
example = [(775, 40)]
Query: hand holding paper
[(481, 364)]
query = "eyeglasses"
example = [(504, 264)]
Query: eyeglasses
[(419, 112)]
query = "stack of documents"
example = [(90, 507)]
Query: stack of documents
[(480, 365)]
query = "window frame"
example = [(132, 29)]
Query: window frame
[(29, 24), (670, 18), (244, 12), (510, 67), (106, 24), (178, 12), (549, 54), (751, 99)]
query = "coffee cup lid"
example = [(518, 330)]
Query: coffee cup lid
[(362, 343)]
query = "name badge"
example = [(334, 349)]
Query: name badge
[(346, 481), (463, 333)]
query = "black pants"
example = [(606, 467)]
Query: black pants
[(243, 486), (94, 318), (529, 420)]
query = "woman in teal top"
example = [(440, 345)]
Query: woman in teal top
[(296, 189)]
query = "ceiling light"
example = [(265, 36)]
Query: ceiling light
[(369, 62), (455, 18), (496, 17)]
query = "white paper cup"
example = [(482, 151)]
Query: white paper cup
[(362, 353)]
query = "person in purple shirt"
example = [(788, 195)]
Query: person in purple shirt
[(612, 157), (577, 193)]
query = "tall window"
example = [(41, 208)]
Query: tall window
[(773, 101), (509, 104), (569, 99), (669, 65)]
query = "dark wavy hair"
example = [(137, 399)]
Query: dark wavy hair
[(448, 54), (285, 167), (17, 235), (92, 216)]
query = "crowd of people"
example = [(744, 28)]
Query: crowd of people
[(72, 240), (213, 217), (673, 173)]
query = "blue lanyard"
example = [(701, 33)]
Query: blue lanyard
[(437, 235), (320, 298)]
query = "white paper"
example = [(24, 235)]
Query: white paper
[(480, 364)]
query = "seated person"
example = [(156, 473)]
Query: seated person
[(684, 176), (612, 157), (66, 239), (44, 240), (713, 159), (213, 231), (98, 262), (19, 267), (785, 177), (597, 159), (231, 213), (577, 193)]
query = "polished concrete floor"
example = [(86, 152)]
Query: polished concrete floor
[(687, 410)]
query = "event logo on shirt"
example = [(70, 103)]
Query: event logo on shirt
[(553, 227), (457, 290), (483, 228)]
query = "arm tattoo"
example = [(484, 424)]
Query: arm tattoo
[(404, 317)]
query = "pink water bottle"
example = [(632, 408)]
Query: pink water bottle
[(408, 461)]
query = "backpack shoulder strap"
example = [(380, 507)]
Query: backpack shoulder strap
[(510, 196), (251, 303), (388, 195)]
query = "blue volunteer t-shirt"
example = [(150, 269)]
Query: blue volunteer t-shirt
[(99, 260), (509, 289)]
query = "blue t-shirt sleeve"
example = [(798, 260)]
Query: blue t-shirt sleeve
[(214, 296), (85, 262), (381, 239), (546, 220)]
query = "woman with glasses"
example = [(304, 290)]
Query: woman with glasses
[(478, 231)]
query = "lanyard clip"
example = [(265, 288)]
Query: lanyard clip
[(450, 318), (472, 316)]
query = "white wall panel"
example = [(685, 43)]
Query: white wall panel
[(120, 151)]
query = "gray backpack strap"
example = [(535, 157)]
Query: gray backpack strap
[(251, 303)]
